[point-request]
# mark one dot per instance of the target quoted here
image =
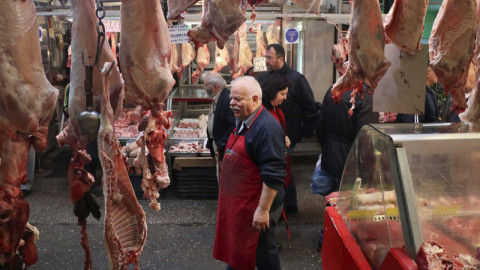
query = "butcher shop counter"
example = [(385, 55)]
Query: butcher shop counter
[(408, 192)]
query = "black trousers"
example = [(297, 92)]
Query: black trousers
[(266, 257)]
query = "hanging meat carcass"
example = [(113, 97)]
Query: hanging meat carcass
[(84, 50), (451, 47), (245, 56), (174, 58), (176, 7), (144, 59), (203, 59), (220, 19), (221, 58), (367, 62), (187, 57), (125, 225), (27, 103), (472, 113), (404, 24), (233, 63), (309, 5), (261, 47), (272, 34)]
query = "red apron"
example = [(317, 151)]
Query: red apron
[(240, 187)]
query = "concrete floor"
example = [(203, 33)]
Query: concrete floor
[(180, 236)]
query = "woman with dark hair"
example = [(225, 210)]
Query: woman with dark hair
[(274, 92)]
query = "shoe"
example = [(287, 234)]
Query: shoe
[(279, 246), (26, 192)]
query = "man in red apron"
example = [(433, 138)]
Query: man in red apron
[(251, 180)]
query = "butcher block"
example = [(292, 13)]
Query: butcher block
[(408, 199)]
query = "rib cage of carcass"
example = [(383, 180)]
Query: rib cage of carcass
[(27, 103)]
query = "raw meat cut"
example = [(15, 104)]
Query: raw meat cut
[(176, 7), (125, 225), (155, 170), (84, 41), (245, 56), (404, 24), (203, 59), (233, 63), (451, 47), (272, 34), (367, 62), (221, 58), (173, 58), (187, 57), (261, 47), (145, 53), (432, 256), (309, 5), (27, 103), (220, 19), (339, 56)]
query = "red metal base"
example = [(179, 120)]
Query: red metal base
[(341, 251)]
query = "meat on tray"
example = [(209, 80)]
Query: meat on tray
[(190, 147)]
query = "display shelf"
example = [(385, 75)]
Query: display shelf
[(404, 184)]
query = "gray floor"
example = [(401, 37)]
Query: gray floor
[(180, 236)]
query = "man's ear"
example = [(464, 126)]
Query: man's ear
[(255, 98)]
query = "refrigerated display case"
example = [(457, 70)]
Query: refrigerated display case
[(192, 169), (404, 184)]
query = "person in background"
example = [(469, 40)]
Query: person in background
[(431, 106), (300, 110), (27, 187), (274, 92), (336, 135), (221, 121), (251, 181)]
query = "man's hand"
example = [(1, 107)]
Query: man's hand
[(287, 142), (261, 219)]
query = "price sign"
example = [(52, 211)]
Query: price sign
[(259, 64), (178, 33)]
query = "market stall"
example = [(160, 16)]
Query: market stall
[(404, 186)]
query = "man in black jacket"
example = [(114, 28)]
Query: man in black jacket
[(300, 110), (220, 120)]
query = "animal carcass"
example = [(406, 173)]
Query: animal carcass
[(367, 62), (261, 47), (221, 58), (245, 57), (84, 49), (125, 224), (404, 24), (27, 103), (203, 59), (144, 59), (220, 19), (187, 57), (451, 47), (176, 7)]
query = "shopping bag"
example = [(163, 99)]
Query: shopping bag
[(323, 182)]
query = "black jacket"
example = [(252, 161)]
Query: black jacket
[(339, 129), (223, 123), (431, 110), (300, 110)]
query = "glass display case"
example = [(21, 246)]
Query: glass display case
[(404, 184), (190, 106)]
